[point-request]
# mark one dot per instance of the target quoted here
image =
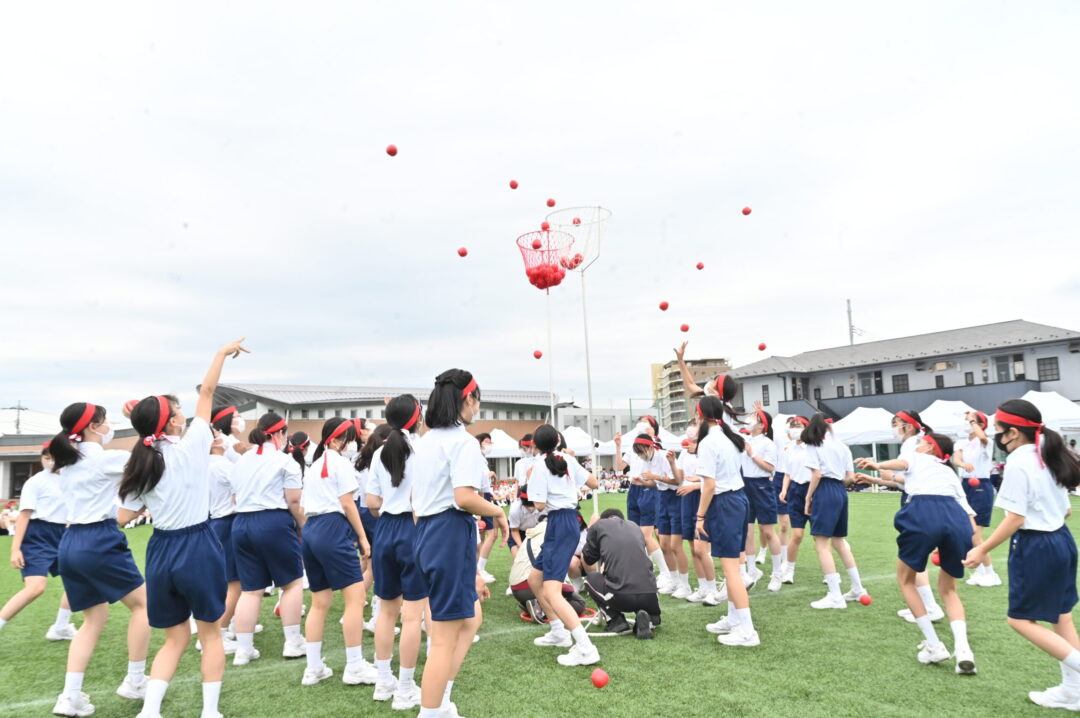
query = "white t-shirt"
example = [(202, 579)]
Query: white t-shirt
[(795, 463), (557, 492), (1030, 491), (230, 448), (926, 476), (90, 485), (395, 500), (323, 495), (832, 458), (221, 496), (446, 459), (522, 518), (657, 465), (362, 478), (907, 450), (42, 496), (979, 456), (765, 449), (259, 480), (687, 464), (719, 459), (182, 496), (521, 469)]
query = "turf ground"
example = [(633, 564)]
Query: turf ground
[(856, 662)]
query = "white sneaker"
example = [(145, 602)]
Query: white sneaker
[(760, 558), (721, 593), (580, 656), (936, 615), (66, 707), (231, 634), (559, 640), (61, 633), (361, 673), (681, 593), (830, 601), (144, 714), (369, 626), (488, 578), (1056, 697), (756, 574), (720, 627), (854, 595), (990, 579), (714, 598), (243, 657), (229, 645), (509, 591), (775, 582), (965, 663), (450, 711), (384, 691), (316, 675), (789, 574), (937, 654), (740, 636), (665, 586), (696, 596), (133, 690), (294, 649), (406, 699)]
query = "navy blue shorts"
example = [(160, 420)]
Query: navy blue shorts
[(511, 542), (267, 549), (688, 508), (641, 505), (1042, 575), (762, 497), (446, 554), (829, 509), (796, 503), (394, 562), (981, 498), (41, 548), (933, 522), (668, 514), (726, 524), (223, 529), (369, 522), (96, 564), (561, 538), (487, 523), (185, 576), (329, 551), (782, 509)]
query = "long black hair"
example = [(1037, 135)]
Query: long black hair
[(815, 432), (328, 428), (297, 448), (403, 414), (765, 418), (143, 471), (375, 440), (447, 398), (222, 418), (1062, 464), (73, 422), (944, 448), (713, 408), (918, 420), (546, 439), (269, 420)]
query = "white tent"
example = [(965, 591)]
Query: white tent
[(947, 417), (1058, 413), (668, 440), (578, 441), (503, 446), (865, 426)]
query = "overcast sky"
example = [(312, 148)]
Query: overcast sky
[(175, 177)]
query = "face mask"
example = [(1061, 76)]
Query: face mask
[(691, 433), (794, 434), (899, 433), (485, 450), (350, 448), (47, 464), (107, 437), (1000, 444), (238, 425)]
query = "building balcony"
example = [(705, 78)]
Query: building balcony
[(984, 397)]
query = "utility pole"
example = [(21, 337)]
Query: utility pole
[(850, 326), (18, 409)]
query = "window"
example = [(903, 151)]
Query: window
[(521, 416), (1018, 367), (817, 393), (337, 413), (840, 391), (900, 383), (866, 383), (352, 413), (321, 414), (1002, 370), (765, 394), (939, 381), (969, 378), (1048, 369), (303, 413), (367, 413)]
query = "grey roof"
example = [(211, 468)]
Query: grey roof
[(1001, 335), (293, 394)]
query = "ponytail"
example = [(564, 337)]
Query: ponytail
[(1048, 443), (378, 436), (911, 417), (712, 409), (546, 439), (815, 432), (143, 471), (297, 448), (452, 387), (403, 415), (333, 428), (268, 425), (73, 420)]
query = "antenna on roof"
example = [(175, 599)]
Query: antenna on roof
[(852, 330)]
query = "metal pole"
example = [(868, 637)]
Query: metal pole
[(588, 384), (850, 326), (551, 366)]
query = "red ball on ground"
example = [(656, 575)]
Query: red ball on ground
[(935, 558), (745, 210), (462, 252), (701, 265), (537, 354), (513, 184), (973, 481), (684, 328), (545, 226), (761, 347), (865, 599), (663, 306), (550, 202), (537, 244), (391, 150), (600, 677)]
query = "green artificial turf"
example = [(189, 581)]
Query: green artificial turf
[(855, 662)]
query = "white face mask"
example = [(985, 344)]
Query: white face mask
[(691, 433), (485, 449), (350, 448), (47, 464), (107, 437), (238, 425), (900, 433), (794, 434)]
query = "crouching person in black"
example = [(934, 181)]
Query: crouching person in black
[(620, 577)]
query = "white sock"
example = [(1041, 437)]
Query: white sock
[(245, 641), (777, 563), (960, 638), (385, 673), (211, 692), (430, 712), (353, 655), (791, 567), (988, 570), (446, 694), (405, 675), (832, 580), (155, 692), (376, 606), (2, 623), (657, 557), (1073, 660), (292, 633), (556, 626), (749, 563), (783, 553), (63, 618), (314, 654), (709, 586), (927, 628), (580, 636), (137, 670), (927, 596), (481, 563), (743, 615), (856, 582), (1070, 679), (684, 580), (732, 614), (73, 686)]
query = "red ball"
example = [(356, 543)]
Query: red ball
[(544, 226), (663, 306), (462, 252), (513, 184), (684, 328), (685, 443), (537, 354), (550, 203), (701, 265), (576, 220), (865, 599), (973, 481), (537, 244), (391, 150), (761, 347), (130, 404), (745, 210), (600, 677), (935, 558)]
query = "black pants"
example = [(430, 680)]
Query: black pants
[(618, 603), (572, 597)]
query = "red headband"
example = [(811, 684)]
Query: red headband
[(644, 442), (82, 423), (937, 447), (909, 419), (801, 419), (338, 431), (164, 410), (526, 443), (46, 445), (720, 379), (223, 413), (764, 419), (1005, 417), (413, 419), (469, 388), (982, 418), (273, 429)]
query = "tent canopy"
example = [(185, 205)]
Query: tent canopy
[(947, 417), (503, 446), (865, 426), (578, 441), (1058, 413)]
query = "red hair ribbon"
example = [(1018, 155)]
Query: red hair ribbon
[(164, 411), (828, 421), (82, 423), (1004, 417), (720, 379), (800, 420), (223, 413), (301, 446), (982, 418), (762, 418), (909, 419), (469, 388), (645, 442), (413, 419), (338, 431), (526, 443), (937, 447), (46, 445), (273, 429)]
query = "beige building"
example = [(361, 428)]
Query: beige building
[(669, 393)]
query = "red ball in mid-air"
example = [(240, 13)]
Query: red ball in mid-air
[(663, 306), (865, 599), (391, 150), (935, 558), (130, 404), (545, 226), (550, 202), (973, 481), (537, 244), (600, 677), (685, 443), (745, 211), (761, 347), (576, 220), (684, 328), (462, 252), (513, 184), (537, 354), (701, 265)]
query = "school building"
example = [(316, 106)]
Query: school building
[(669, 394)]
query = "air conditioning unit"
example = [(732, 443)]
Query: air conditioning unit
[(920, 365), (1074, 347)]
